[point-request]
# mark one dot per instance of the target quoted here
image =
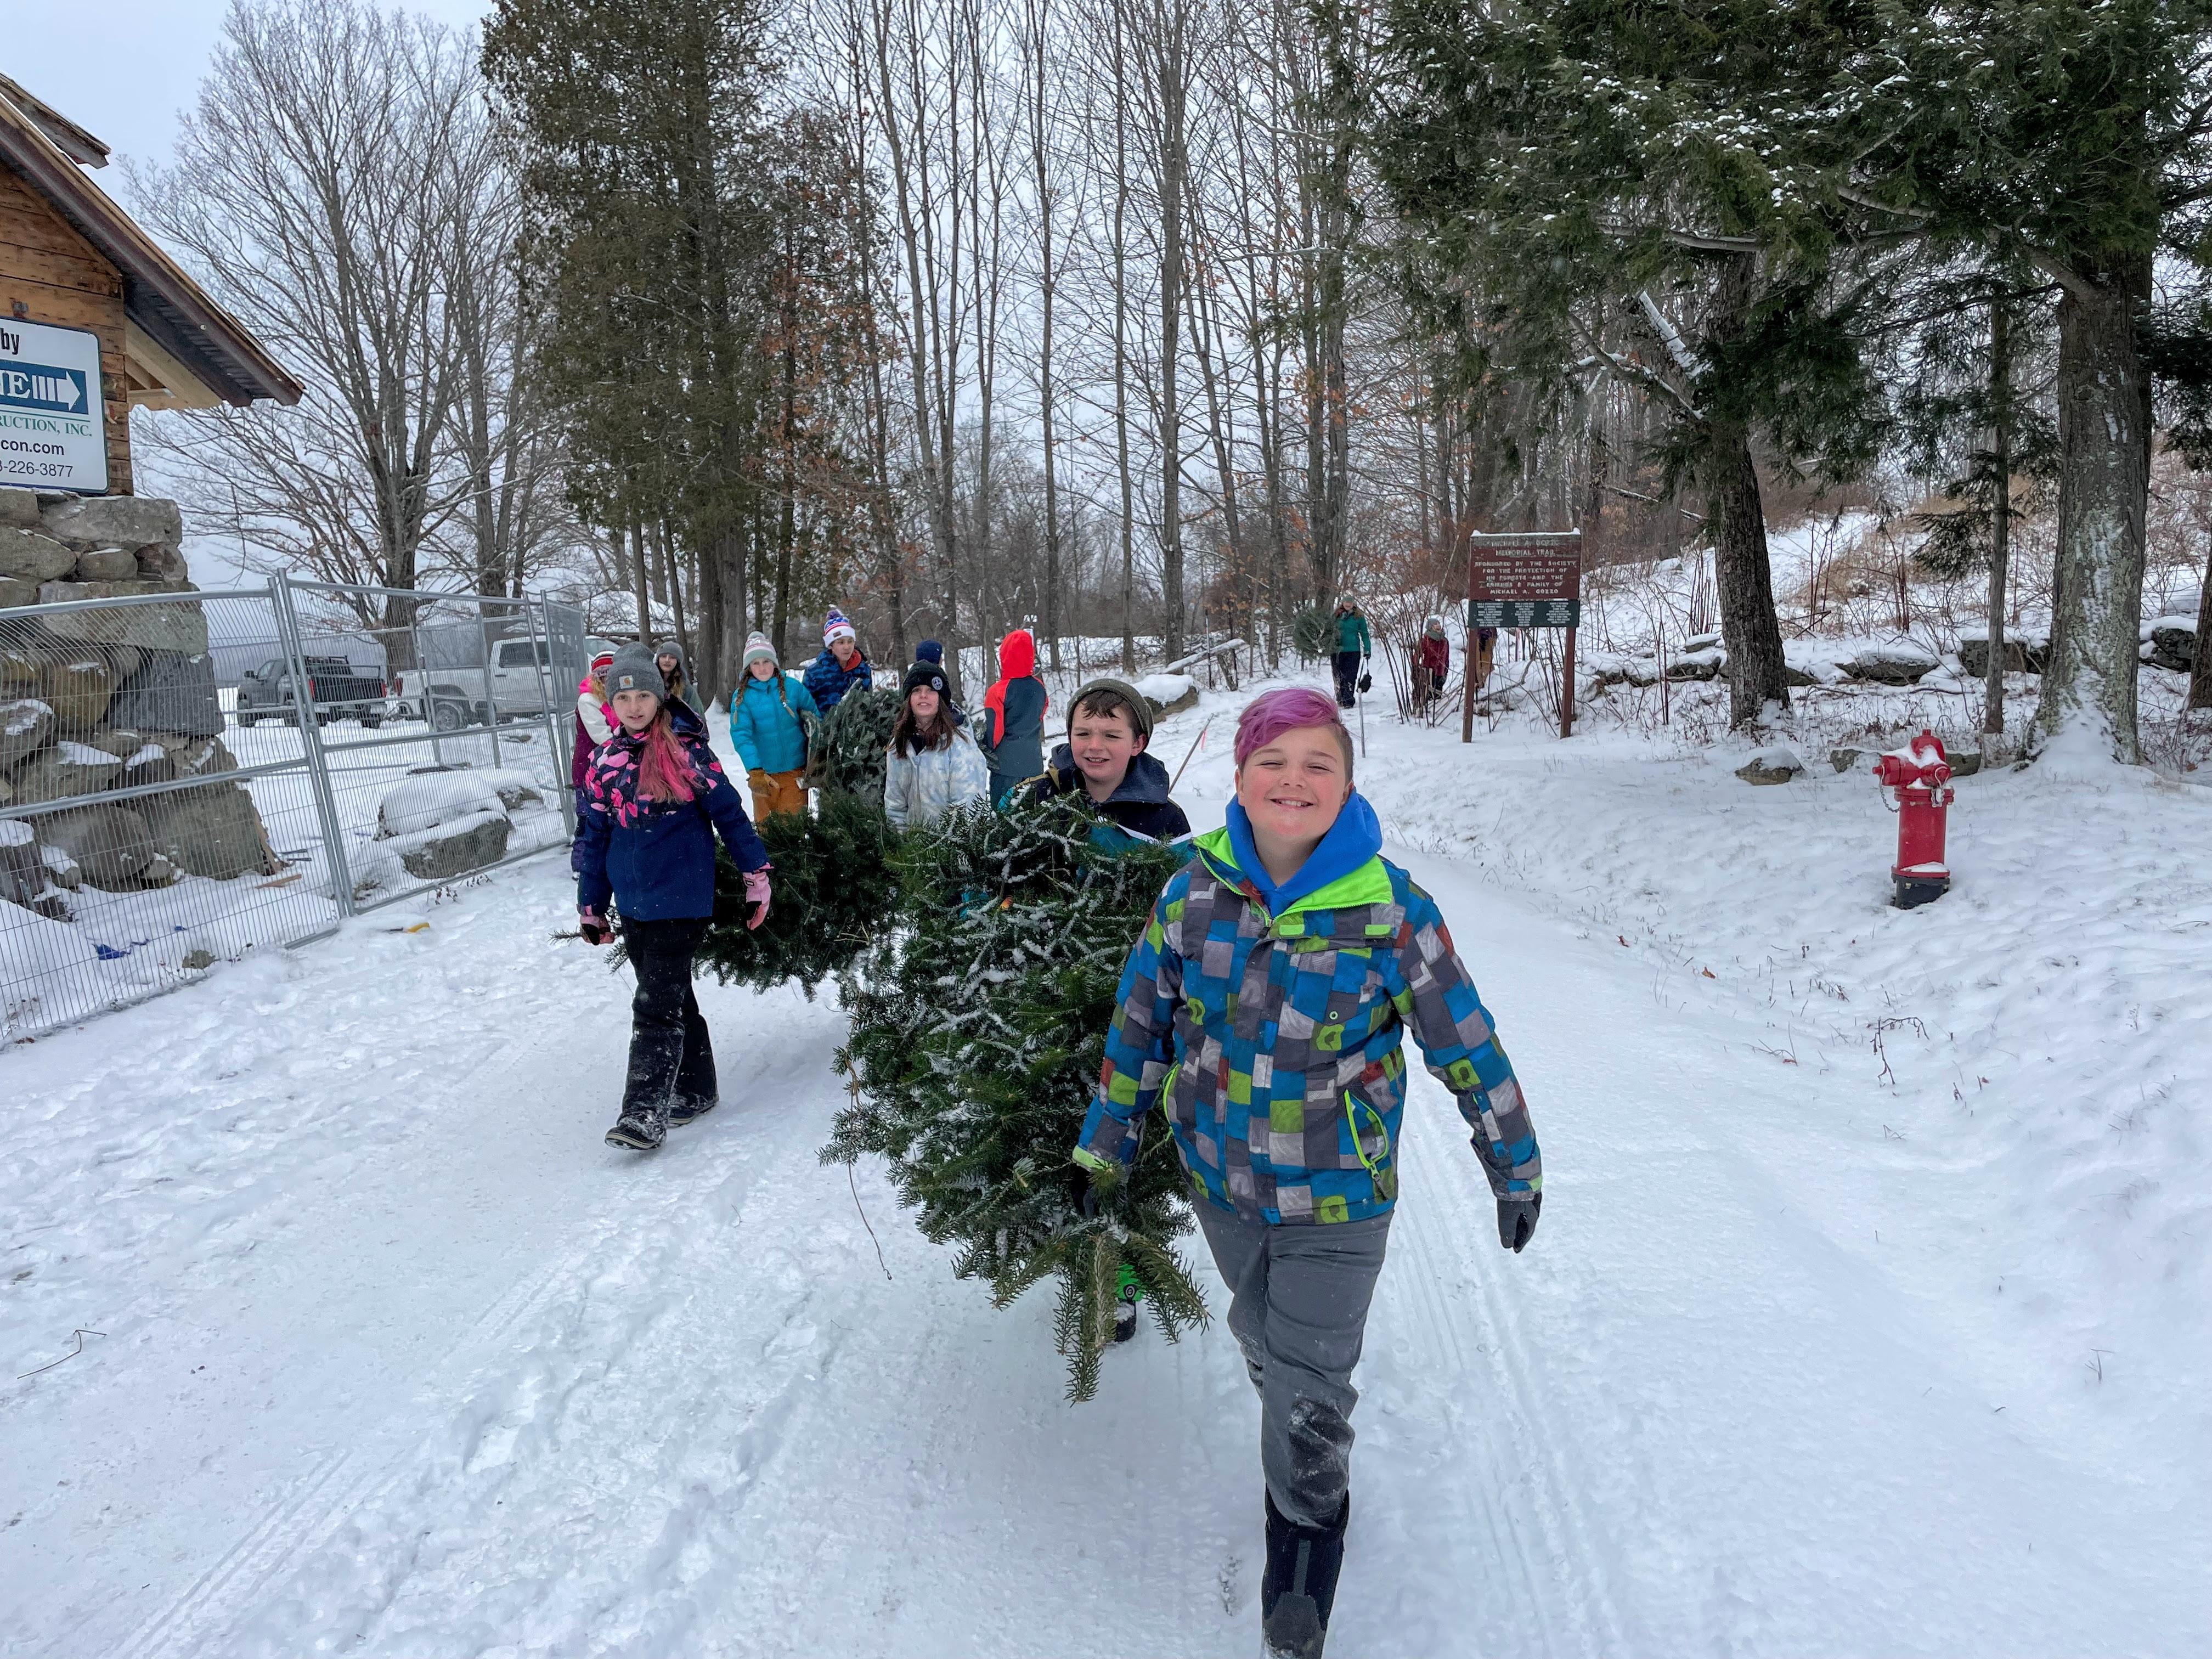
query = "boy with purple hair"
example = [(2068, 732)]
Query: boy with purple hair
[(1268, 1000)]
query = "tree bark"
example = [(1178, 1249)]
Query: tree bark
[(2104, 494), (2000, 513), (1737, 523)]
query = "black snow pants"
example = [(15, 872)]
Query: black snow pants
[(1347, 678), (672, 1059)]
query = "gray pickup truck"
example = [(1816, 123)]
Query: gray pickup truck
[(336, 691)]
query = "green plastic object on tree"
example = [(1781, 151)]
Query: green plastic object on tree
[(978, 1029)]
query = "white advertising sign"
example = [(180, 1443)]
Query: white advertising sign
[(53, 435)]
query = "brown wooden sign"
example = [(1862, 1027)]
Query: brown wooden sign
[(1532, 579)]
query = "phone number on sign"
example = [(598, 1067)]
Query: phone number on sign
[(16, 463)]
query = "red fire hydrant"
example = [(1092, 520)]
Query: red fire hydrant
[(1921, 778)]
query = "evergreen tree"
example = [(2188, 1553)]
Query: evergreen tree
[(834, 891), (846, 750), (1661, 195), (978, 1032), (2073, 136)]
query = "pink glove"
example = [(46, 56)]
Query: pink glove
[(757, 894)]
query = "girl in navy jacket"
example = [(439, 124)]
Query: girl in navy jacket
[(652, 804)]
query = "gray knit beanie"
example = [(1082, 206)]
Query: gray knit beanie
[(637, 668), (1141, 712)]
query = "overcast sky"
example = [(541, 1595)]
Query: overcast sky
[(124, 68)]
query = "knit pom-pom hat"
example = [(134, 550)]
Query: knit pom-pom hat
[(836, 628), (757, 647)]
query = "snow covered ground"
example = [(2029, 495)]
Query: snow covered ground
[(1867, 1316)]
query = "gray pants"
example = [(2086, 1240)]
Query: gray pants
[(1298, 1309)]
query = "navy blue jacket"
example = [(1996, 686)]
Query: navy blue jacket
[(1141, 804), (828, 680), (657, 857)]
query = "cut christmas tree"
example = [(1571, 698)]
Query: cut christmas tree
[(978, 1030)]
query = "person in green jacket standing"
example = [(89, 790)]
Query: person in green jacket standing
[(1354, 645)]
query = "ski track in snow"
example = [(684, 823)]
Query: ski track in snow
[(401, 1361)]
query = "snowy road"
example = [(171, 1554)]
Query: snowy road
[(399, 1359)]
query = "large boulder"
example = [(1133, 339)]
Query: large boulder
[(22, 872), (211, 831), (25, 724), (65, 771), (1776, 764), (15, 591), (428, 799), (181, 626), (193, 754), (171, 691), (1167, 693), (130, 521), (106, 564), (112, 845), (2022, 655), (2171, 643), (160, 561), (78, 686), (19, 509), (1900, 662), (29, 556), (455, 847), (1703, 664)]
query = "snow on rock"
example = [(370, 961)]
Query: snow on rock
[(1776, 763), (1168, 694), (430, 798), (1892, 662), (1811, 662), (14, 832)]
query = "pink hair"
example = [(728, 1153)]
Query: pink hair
[(1267, 716), (663, 770)]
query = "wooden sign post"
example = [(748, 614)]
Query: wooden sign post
[(1530, 580)]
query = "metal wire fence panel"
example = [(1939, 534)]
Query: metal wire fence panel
[(186, 777)]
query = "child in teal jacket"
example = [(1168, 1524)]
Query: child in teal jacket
[(768, 712)]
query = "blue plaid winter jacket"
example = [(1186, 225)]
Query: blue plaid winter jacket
[(1275, 1041)]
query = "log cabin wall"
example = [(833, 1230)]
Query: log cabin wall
[(59, 278)]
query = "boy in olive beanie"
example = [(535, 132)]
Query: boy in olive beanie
[(1109, 726)]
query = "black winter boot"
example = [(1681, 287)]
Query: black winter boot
[(1299, 1586), (690, 1107), (642, 1128)]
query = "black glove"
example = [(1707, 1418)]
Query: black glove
[(1516, 1221), (1366, 683)]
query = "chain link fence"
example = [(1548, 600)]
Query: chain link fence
[(187, 778)]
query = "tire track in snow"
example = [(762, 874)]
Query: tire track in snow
[(1447, 1198)]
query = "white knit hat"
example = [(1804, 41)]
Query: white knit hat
[(757, 647), (836, 628)]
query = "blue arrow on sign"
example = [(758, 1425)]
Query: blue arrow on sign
[(49, 391)]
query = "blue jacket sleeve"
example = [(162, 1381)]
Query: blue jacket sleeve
[(727, 812), (741, 728), (1140, 1043), (1436, 997), (587, 853)]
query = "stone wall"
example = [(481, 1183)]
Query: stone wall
[(99, 699)]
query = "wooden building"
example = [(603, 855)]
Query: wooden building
[(70, 258)]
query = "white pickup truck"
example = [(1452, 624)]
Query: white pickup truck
[(519, 685)]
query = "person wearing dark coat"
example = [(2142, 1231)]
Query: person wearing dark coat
[(841, 667), (654, 800), (1109, 725), (1012, 730), (668, 656), (930, 651), (1431, 664)]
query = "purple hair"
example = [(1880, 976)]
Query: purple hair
[(1267, 716)]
